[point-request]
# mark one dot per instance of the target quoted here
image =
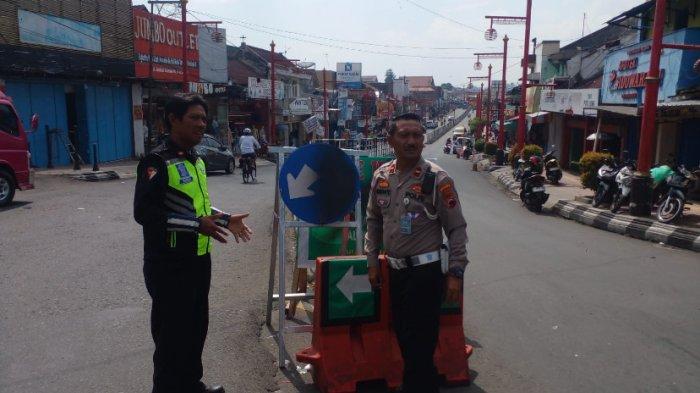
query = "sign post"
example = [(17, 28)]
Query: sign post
[(319, 184)]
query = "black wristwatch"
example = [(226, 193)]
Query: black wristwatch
[(224, 220), (456, 271)]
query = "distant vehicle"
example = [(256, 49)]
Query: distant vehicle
[(215, 155), (458, 132), (431, 124), (15, 170)]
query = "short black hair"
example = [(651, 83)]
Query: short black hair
[(405, 116), (179, 104)]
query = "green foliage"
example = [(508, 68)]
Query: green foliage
[(447, 86), (475, 124), (532, 150), (490, 148), (479, 145), (513, 155), (589, 165)]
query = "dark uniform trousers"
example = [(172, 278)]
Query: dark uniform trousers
[(179, 321), (416, 297)]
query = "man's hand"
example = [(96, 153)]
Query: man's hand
[(453, 293), (238, 228), (373, 274), (208, 227)]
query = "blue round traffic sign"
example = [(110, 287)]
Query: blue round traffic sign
[(319, 183)]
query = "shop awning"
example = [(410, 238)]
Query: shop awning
[(620, 110), (678, 109), (538, 117), (632, 12)]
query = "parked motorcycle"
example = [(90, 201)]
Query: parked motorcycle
[(552, 169), (673, 202), (518, 168), (606, 183), (532, 191), (447, 149), (624, 187)]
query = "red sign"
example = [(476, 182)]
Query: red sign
[(629, 64), (167, 47)]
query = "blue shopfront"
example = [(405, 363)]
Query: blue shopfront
[(678, 117), (85, 114)]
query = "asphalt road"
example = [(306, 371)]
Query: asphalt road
[(74, 311), (555, 306)]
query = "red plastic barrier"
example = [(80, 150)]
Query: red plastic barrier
[(452, 354), (342, 356)]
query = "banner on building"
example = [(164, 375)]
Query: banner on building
[(213, 60), (300, 107), (49, 30), (259, 88), (349, 75), (313, 125), (167, 47), (569, 101)]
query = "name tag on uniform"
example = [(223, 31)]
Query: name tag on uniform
[(406, 223), (185, 176)]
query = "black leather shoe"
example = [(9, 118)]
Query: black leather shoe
[(214, 389)]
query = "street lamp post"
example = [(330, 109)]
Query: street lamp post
[(640, 198), (491, 35), (502, 114), (326, 134), (488, 108), (271, 122)]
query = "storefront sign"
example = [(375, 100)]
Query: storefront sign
[(300, 106), (259, 88), (625, 70), (166, 35), (349, 75), (313, 125), (201, 88), (49, 30), (569, 101)]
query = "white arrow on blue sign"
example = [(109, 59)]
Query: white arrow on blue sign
[(319, 183)]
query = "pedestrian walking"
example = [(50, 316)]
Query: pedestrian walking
[(172, 204), (412, 201)]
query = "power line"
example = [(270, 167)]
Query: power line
[(334, 39), (443, 16)]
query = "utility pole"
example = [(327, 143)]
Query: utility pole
[(327, 132), (488, 108), (185, 81), (271, 122), (502, 114)]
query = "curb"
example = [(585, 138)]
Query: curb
[(640, 228), (510, 184)]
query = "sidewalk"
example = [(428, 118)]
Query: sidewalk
[(569, 200)]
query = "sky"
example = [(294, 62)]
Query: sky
[(408, 36)]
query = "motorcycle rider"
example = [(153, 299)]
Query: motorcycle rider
[(247, 145)]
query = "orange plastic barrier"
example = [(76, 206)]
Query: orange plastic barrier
[(342, 356), (452, 354), (347, 349)]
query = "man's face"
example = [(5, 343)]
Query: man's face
[(407, 141), (190, 129)]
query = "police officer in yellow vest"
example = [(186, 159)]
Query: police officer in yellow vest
[(172, 204), (411, 203)]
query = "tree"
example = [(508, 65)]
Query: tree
[(447, 86), (389, 76)]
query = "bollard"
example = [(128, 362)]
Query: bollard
[(640, 195), (49, 149), (95, 165)]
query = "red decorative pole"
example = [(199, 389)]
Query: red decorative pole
[(327, 132), (501, 125), (185, 81), (523, 89), (480, 102), (273, 134), (488, 109), (651, 90)]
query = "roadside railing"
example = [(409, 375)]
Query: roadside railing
[(435, 134), (372, 146)]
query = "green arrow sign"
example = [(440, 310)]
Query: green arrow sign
[(348, 297)]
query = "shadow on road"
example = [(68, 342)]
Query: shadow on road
[(16, 205)]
